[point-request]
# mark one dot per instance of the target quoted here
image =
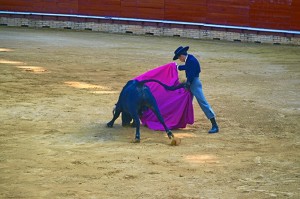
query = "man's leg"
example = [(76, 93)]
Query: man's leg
[(196, 89)]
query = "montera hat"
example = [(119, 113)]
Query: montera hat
[(179, 51)]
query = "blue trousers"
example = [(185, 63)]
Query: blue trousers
[(196, 89)]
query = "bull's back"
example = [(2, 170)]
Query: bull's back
[(126, 89), (129, 94)]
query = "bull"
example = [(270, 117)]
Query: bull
[(135, 98)]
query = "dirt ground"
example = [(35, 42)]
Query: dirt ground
[(57, 91)]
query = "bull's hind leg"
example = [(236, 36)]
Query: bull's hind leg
[(126, 119), (136, 121), (117, 113)]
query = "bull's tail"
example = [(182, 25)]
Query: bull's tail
[(171, 88)]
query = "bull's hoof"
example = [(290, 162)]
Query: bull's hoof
[(170, 135), (109, 125)]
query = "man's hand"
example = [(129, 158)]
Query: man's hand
[(187, 85)]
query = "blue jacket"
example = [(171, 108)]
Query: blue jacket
[(191, 67)]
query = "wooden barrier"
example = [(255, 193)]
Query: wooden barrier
[(275, 14)]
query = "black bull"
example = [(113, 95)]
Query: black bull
[(134, 98)]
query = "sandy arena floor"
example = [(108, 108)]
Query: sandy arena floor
[(57, 91)]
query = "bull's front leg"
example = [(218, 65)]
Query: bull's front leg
[(152, 104), (116, 114), (155, 109), (168, 131)]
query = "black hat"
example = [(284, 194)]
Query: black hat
[(179, 51)]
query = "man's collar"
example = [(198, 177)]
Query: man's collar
[(186, 57)]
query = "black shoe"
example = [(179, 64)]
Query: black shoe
[(214, 129)]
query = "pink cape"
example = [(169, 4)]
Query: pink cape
[(175, 106)]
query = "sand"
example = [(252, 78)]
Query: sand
[(58, 89)]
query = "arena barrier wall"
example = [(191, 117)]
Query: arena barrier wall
[(149, 27)]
